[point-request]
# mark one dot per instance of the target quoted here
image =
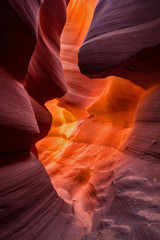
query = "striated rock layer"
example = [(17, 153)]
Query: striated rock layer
[(30, 208), (81, 90), (127, 45), (123, 40), (109, 164), (102, 151), (45, 78), (18, 27), (128, 203)]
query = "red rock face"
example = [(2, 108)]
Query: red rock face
[(144, 138), (30, 208), (17, 133), (123, 42), (125, 46), (18, 35), (128, 204), (29, 204), (100, 142), (45, 63), (78, 96)]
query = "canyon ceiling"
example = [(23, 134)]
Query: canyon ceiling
[(80, 120)]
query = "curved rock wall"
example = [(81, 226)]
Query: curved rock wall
[(128, 203), (123, 40), (102, 150), (45, 78), (81, 91), (18, 35), (30, 208)]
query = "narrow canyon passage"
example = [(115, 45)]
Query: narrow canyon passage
[(80, 120)]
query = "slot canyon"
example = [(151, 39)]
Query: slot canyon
[(80, 120)]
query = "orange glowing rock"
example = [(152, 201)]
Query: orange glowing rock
[(117, 103), (93, 127), (78, 154), (79, 16), (62, 128), (78, 169), (81, 90), (60, 115), (72, 144)]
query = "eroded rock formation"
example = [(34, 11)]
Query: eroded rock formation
[(123, 41), (30, 208), (128, 208), (111, 164), (100, 142), (79, 95), (45, 63)]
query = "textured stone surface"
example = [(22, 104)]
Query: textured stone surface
[(110, 170), (45, 79), (118, 32), (18, 27), (114, 174), (30, 208), (145, 135), (118, 102), (81, 90), (18, 125), (43, 117), (104, 167)]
